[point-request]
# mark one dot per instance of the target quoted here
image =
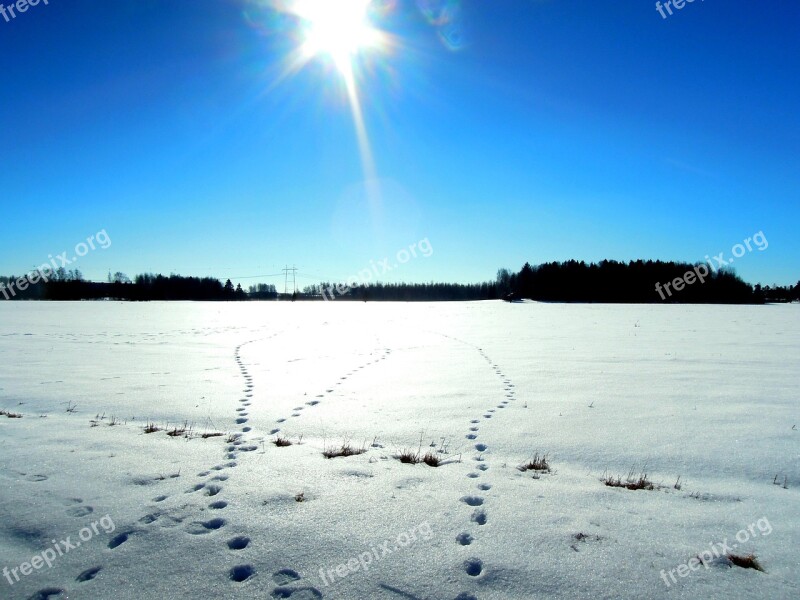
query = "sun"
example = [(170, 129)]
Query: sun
[(340, 33), (337, 29)]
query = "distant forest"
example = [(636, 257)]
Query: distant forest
[(571, 281), (70, 285)]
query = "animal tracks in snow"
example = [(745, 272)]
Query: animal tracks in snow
[(298, 410), (474, 566)]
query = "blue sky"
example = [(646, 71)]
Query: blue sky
[(522, 130)]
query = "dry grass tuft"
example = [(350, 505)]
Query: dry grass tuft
[(10, 415), (631, 482), (409, 457), (181, 430), (432, 459), (538, 463), (745, 561), (346, 449), (282, 441)]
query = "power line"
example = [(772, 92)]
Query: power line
[(257, 276), (286, 279)]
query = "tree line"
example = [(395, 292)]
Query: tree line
[(637, 282), (70, 285), (569, 281)]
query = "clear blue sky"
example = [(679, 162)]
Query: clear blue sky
[(520, 130)]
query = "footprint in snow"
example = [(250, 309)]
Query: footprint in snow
[(465, 539), (472, 500), (203, 527), (79, 511), (473, 567), (48, 594), (471, 436), (241, 573), (212, 490), (479, 517), (118, 540), (301, 593), (88, 574), (151, 518), (240, 542), (481, 447), (285, 576)]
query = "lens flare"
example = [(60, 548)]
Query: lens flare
[(445, 16)]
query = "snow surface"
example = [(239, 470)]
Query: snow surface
[(707, 394)]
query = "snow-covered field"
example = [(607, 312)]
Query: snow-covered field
[(707, 394)]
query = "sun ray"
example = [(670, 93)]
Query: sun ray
[(338, 32)]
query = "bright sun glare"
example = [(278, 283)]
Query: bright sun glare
[(339, 29), (339, 32)]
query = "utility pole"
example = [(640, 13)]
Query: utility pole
[(286, 279)]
